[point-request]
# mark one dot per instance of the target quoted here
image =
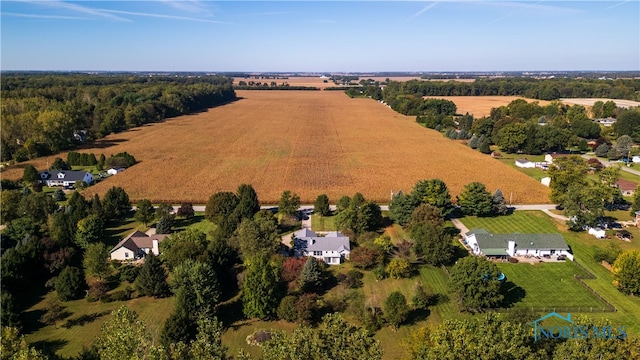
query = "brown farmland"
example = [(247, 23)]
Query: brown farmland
[(307, 142), (480, 106)]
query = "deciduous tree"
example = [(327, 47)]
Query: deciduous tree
[(321, 206), (123, 336), (396, 309), (475, 281), (96, 257), (626, 272), (261, 291), (476, 200), (145, 212), (70, 283), (289, 203)]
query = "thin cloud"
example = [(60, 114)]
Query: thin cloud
[(616, 5), (193, 6), (35, 16), (424, 9), (162, 16), (76, 8), (520, 9)]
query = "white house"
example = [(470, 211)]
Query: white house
[(137, 245), (550, 157), (635, 159), (332, 248), (65, 177), (597, 232), (524, 163), (115, 170), (608, 122), (485, 243)]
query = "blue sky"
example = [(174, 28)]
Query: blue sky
[(465, 35)]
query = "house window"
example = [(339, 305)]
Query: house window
[(317, 253), (126, 254)]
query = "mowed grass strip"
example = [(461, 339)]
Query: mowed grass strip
[(323, 223), (548, 285), (524, 222), (309, 142)]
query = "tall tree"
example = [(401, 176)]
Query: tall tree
[(475, 281), (123, 336), (396, 309), (432, 244), (96, 260), (261, 288), (248, 204), (200, 283), (566, 171), (220, 210), (257, 237), (90, 230), (145, 212), (70, 283), (626, 272), (289, 203), (30, 174), (499, 204), (115, 203), (434, 192), (635, 203), (152, 279), (333, 339), (186, 210), (311, 277), (321, 206), (476, 200)]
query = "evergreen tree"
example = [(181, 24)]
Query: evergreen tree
[(499, 203), (163, 226), (289, 203), (115, 203), (396, 309), (474, 142), (635, 203), (248, 204), (70, 283), (321, 206), (311, 276), (30, 174), (261, 288), (152, 279), (59, 164), (144, 212), (484, 147)]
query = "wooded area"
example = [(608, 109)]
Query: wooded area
[(49, 112)]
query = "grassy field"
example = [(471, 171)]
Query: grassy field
[(323, 223), (309, 142), (531, 222)]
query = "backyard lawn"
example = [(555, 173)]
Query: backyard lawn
[(524, 222)]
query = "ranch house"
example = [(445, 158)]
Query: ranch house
[(65, 177), (332, 248), (485, 243), (136, 245), (627, 188), (524, 163)]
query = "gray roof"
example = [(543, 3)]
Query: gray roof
[(332, 241), (138, 240), (496, 244), (69, 175), (523, 161)]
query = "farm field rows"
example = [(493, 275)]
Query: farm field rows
[(307, 142)]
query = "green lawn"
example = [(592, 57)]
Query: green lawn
[(510, 160), (323, 223), (547, 285), (583, 246), (525, 222)]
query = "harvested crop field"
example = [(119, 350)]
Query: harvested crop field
[(307, 142), (590, 101), (480, 106)]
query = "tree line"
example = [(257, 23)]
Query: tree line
[(47, 113)]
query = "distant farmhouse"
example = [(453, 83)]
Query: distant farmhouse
[(137, 245), (65, 177), (485, 243), (524, 163), (627, 188), (333, 248)]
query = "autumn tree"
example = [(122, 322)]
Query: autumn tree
[(626, 272), (475, 281)]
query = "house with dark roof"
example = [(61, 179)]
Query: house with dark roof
[(65, 177), (485, 243), (136, 245), (332, 248)]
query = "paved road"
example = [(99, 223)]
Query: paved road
[(623, 167), (308, 208)]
